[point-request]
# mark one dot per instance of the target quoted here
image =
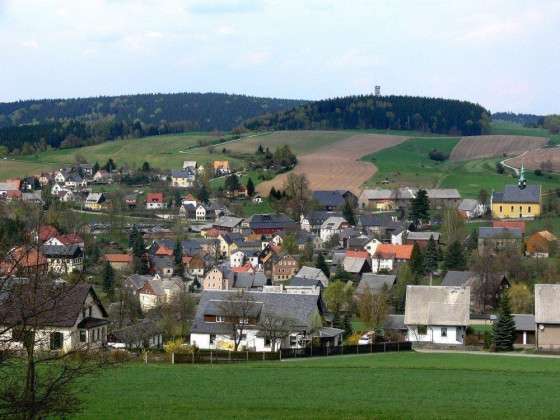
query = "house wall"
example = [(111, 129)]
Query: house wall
[(65, 265), (515, 211), (548, 338), (455, 334), (381, 264), (252, 342), (214, 280)]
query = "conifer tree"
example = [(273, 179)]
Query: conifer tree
[(503, 330), (108, 277), (420, 207), (322, 265), (431, 256), (417, 261), (178, 257), (250, 187), (454, 257), (348, 213)]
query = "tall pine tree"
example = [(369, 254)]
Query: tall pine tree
[(503, 330), (250, 187), (420, 207), (348, 213), (322, 265), (108, 277), (417, 261), (454, 257), (431, 256), (178, 257)]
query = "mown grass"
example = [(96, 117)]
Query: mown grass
[(16, 168), (405, 385), (408, 164), (505, 127)]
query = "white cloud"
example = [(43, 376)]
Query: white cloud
[(30, 44)]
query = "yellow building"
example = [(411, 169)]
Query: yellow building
[(517, 203)]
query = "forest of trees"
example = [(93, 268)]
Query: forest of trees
[(434, 115), (528, 120), (31, 125)]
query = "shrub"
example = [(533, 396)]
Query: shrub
[(472, 340), (120, 356), (178, 347), (438, 156), (353, 339), (538, 172), (500, 168)]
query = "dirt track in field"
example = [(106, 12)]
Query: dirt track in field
[(478, 147), (337, 166), (547, 159)]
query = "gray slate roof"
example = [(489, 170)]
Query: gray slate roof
[(394, 322), (457, 278), (468, 204), (329, 198), (59, 251), (437, 305), (512, 194), (311, 273), (376, 282), (304, 282), (299, 308), (487, 232), (422, 236), (524, 322)]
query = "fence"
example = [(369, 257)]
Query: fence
[(225, 356)]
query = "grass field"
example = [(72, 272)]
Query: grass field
[(408, 164), (16, 169), (164, 152), (404, 385), (504, 127)]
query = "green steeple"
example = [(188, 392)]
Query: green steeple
[(522, 182)]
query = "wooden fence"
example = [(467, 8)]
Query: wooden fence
[(225, 356)]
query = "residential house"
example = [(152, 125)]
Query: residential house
[(312, 221), (332, 226), (102, 177), (190, 164), (131, 200), (65, 196), (284, 267), (144, 334), (419, 238), (228, 243), (194, 266), (183, 178), (394, 328), (95, 202), (216, 279), (77, 321), (63, 259), (382, 225), (391, 199), (313, 273), (547, 316), (164, 266), (470, 208), (516, 203), (221, 167), (189, 199), (509, 224), (156, 292), (540, 244), (23, 261), (66, 239), (119, 262), (302, 285), (34, 197), (334, 199), (45, 232), (270, 224), (133, 283), (387, 257), (213, 323), (356, 263), (61, 176), (228, 224), (236, 259), (376, 283), (443, 197), (437, 314), (494, 239), (75, 182), (486, 289), (154, 201)]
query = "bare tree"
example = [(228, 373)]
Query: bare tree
[(238, 311), (275, 328), (373, 308), (37, 376), (298, 193)]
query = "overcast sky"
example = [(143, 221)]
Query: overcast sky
[(503, 54)]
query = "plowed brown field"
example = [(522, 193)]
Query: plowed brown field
[(477, 147), (536, 159), (337, 166)]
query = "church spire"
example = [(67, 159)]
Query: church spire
[(522, 182)]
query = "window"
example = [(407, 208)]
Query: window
[(444, 331), (89, 311), (459, 334), (56, 339), (212, 338), (82, 336), (220, 319), (293, 340), (520, 208), (422, 329), (244, 321), (529, 209), (501, 210), (511, 208), (267, 342)]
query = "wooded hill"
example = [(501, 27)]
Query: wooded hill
[(445, 116), (34, 124)]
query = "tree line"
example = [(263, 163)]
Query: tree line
[(435, 115), (82, 121)]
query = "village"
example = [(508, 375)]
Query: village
[(325, 269)]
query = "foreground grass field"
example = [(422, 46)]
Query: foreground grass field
[(405, 385)]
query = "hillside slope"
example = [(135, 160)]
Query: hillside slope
[(443, 116)]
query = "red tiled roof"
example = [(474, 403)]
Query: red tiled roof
[(118, 258), (70, 239), (154, 198), (357, 254), (163, 250), (243, 269), (519, 224), (46, 232), (401, 252)]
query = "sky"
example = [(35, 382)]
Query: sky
[(504, 55)]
